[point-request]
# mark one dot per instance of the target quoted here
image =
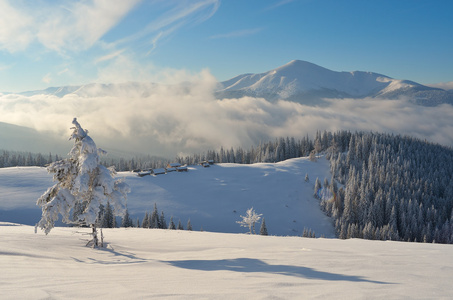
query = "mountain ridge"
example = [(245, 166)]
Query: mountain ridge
[(298, 81), (303, 82)]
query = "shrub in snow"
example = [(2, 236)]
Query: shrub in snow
[(250, 219), (83, 184)]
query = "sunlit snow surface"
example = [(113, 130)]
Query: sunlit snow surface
[(213, 198), (174, 264), (170, 264)]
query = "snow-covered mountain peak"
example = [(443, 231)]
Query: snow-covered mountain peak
[(308, 83)]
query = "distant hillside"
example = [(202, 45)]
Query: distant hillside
[(19, 138), (212, 198)]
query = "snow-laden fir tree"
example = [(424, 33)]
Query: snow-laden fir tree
[(154, 221), (81, 182), (127, 221), (107, 219), (250, 219), (145, 223), (172, 224), (180, 227), (162, 221)]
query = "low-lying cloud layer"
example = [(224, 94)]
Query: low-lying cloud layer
[(167, 120)]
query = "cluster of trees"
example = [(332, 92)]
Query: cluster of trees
[(273, 151), (17, 158), (392, 188), (106, 219)]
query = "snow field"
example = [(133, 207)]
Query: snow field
[(213, 198), (153, 263)]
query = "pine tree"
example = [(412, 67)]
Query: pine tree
[(154, 218), (263, 228), (82, 180), (172, 225), (162, 222), (189, 225), (127, 221), (145, 223), (180, 227), (317, 188), (107, 220)]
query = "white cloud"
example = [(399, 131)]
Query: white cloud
[(185, 13), (65, 70), (80, 24), (109, 56), (237, 33), (71, 26), (168, 119), (15, 33), (278, 4), (47, 78), (442, 85)]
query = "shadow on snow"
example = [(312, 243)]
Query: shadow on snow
[(250, 265)]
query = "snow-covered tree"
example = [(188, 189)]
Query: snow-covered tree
[(154, 223), (162, 221), (317, 187), (145, 223), (127, 221), (172, 224), (180, 227), (250, 219), (81, 181), (189, 225), (107, 219)]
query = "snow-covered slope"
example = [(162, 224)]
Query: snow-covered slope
[(213, 198), (164, 264), (306, 82)]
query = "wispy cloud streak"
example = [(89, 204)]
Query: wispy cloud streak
[(237, 33)]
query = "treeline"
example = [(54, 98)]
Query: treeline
[(107, 219), (393, 188), (17, 158), (273, 151)]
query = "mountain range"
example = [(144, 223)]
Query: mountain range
[(307, 83), (297, 81)]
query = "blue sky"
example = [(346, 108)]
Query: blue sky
[(53, 43)]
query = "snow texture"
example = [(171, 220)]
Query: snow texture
[(172, 264)]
